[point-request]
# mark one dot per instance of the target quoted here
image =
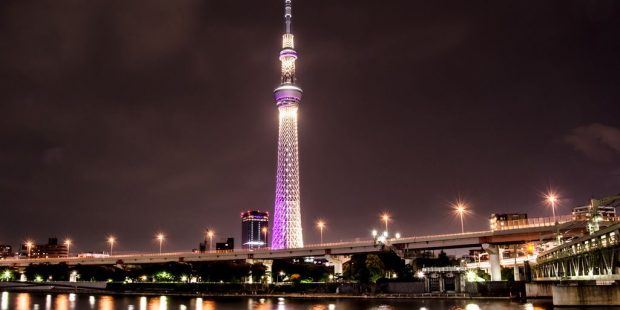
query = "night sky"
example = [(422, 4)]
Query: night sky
[(132, 117)]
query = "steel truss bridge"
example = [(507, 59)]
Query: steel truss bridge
[(592, 257)]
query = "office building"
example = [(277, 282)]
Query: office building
[(254, 229)]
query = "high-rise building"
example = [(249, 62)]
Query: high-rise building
[(585, 212), (6, 251), (50, 250), (227, 246), (254, 226), (287, 231), (499, 221)]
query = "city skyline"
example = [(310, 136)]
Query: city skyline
[(407, 111)]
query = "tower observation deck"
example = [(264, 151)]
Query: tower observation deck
[(287, 231)]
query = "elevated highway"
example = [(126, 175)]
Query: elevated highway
[(514, 235)]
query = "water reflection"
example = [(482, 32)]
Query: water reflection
[(10, 301), (261, 304), (530, 306), (62, 302), (142, 303), (4, 301), (23, 301), (106, 303)]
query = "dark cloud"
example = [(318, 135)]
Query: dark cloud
[(596, 141), (132, 116)]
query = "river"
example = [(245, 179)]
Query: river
[(42, 301)]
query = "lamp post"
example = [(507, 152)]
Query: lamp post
[(111, 241), (160, 238), (29, 247), (460, 208), (321, 225), (386, 218), (210, 234), (68, 244), (264, 230), (552, 198)]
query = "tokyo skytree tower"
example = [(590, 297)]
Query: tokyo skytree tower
[(287, 216)]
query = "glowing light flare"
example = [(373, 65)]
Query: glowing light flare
[(210, 234), (385, 217), (111, 241), (29, 245), (552, 199), (160, 237), (68, 244), (460, 208), (321, 225)]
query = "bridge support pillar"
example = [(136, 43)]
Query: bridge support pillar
[(494, 262), (268, 271), (337, 261), (249, 279)]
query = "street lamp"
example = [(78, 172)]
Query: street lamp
[(111, 241), (210, 234), (264, 230), (29, 245), (397, 235), (160, 238), (386, 218), (374, 233), (552, 198), (68, 244), (321, 225), (460, 208)]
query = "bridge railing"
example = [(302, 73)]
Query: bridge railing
[(531, 222), (604, 238), (545, 221)]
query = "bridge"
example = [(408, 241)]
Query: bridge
[(336, 253), (591, 257)]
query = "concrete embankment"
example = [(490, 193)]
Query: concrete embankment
[(56, 286), (576, 293), (586, 295)]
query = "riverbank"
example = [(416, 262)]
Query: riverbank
[(101, 288)]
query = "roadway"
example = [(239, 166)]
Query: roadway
[(445, 241)]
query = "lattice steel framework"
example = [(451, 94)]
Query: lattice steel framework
[(287, 232), (593, 257)]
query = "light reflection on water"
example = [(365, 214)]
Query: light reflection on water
[(27, 301), (23, 301)]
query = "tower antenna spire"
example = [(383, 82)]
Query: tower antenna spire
[(288, 14)]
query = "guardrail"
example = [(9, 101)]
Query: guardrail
[(545, 221)]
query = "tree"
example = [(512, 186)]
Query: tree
[(508, 274), (258, 271), (375, 266), (55, 272)]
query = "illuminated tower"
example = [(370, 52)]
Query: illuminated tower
[(287, 216)]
